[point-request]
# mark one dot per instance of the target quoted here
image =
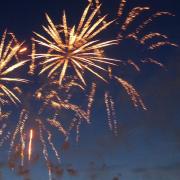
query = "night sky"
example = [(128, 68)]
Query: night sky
[(148, 143)]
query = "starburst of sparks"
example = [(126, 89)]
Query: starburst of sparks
[(75, 47), (8, 65)]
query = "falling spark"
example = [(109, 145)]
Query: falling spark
[(108, 110), (30, 144), (22, 50), (45, 151), (78, 131), (52, 144), (121, 8), (135, 97), (134, 65), (19, 129), (32, 65), (113, 115), (22, 141), (91, 99)]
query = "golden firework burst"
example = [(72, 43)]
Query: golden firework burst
[(8, 51), (75, 47)]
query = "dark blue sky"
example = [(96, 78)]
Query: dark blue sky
[(148, 144)]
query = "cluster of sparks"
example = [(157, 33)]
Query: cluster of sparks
[(8, 51), (75, 47), (71, 55)]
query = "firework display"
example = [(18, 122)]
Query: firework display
[(75, 47), (8, 51), (72, 62)]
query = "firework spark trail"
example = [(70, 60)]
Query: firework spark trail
[(121, 8), (30, 144), (5, 138), (32, 66), (132, 16), (13, 37), (160, 44), (45, 152), (153, 61), (135, 97), (75, 123), (114, 119), (106, 100), (79, 50), (22, 140), (58, 103), (69, 85), (91, 99), (150, 19), (73, 84), (82, 114), (152, 35), (16, 42), (71, 126), (111, 114), (57, 125), (78, 130), (51, 143), (21, 131), (2, 102), (79, 114), (97, 5), (47, 99), (22, 120), (134, 65), (2, 129)]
